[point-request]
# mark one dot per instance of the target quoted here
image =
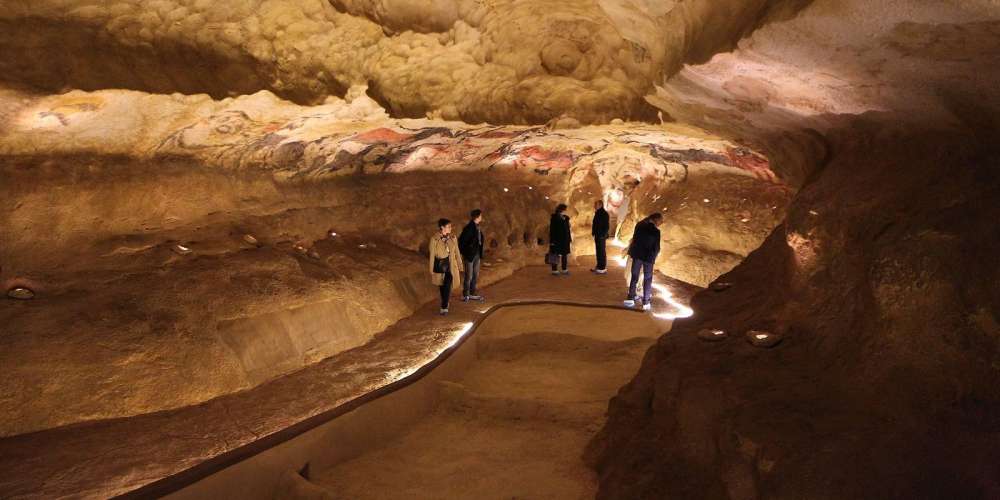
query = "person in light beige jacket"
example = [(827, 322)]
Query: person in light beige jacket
[(445, 261)]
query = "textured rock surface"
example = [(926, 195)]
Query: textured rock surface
[(147, 199), (129, 130), (507, 61), (880, 280)]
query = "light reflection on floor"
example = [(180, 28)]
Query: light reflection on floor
[(663, 293)]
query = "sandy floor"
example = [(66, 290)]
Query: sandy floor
[(515, 425), (138, 450)]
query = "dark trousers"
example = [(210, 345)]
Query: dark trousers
[(565, 263), (445, 290), (471, 276), (600, 246), (647, 280)]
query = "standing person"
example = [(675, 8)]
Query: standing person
[(470, 243), (445, 261), (643, 250), (560, 238), (599, 228)]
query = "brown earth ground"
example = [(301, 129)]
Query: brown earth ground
[(515, 425), (138, 450)]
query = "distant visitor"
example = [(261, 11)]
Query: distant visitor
[(445, 261), (559, 241), (599, 228), (470, 242)]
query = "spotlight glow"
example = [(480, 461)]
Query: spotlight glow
[(457, 335), (683, 311), (461, 333)]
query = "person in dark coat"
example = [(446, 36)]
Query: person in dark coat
[(599, 228), (560, 238), (643, 249), (470, 243)]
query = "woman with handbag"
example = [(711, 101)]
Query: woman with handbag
[(559, 240), (445, 261)]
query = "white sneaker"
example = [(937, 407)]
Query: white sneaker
[(629, 303), (465, 298), (478, 298), (647, 307), (565, 271), (444, 312), (600, 271), (555, 273)]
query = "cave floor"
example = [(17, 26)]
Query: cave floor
[(138, 450), (516, 423)]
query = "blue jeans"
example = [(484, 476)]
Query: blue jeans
[(647, 280), (471, 276)]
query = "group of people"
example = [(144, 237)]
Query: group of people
[(462, 256)]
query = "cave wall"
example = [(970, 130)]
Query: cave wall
[(879, 282), (105, 186)]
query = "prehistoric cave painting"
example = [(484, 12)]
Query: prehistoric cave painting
[(65, 109), (754, 163), (320, 145)]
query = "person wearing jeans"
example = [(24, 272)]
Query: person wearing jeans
[(560, 238), (599, 228), (470, 243), (643, 250), (445, 261)]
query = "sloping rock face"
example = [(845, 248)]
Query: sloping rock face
[(883, 384), (880, 282)]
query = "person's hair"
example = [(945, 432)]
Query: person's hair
[(655, 217), (560, 208), (443, 222), (599, 201), (475, 213)]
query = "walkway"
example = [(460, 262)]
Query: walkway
[(113, 457)]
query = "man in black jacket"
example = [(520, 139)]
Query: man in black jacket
[(470, 244), (643, 249), (599, 228)]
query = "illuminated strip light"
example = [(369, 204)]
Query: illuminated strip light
[(683, 311), (458, 335)]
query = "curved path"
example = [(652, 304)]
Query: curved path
[(155, 454), (515, 423)]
